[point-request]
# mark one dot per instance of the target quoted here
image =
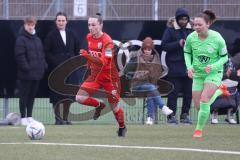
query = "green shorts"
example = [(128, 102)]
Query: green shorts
[(198, 81)]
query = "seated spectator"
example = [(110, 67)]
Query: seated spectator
[(227, 105), (144, 69)]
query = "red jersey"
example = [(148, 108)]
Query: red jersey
[(102, 48)]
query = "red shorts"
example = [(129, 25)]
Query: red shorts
[(111, 89)]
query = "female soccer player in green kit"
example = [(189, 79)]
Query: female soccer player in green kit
[(205, 54)]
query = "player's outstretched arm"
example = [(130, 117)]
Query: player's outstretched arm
[(90, 58)]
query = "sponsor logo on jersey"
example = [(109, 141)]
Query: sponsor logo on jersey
[(108, 52), (203, 59), (99, 45), (94, 53), (210, 50)]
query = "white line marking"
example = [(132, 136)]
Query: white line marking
[(128, 147)]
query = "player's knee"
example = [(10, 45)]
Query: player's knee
[(114, 107), (205, 99), (80, 99), (197, 105)]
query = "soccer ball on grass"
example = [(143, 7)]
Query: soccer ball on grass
[(35, 130)]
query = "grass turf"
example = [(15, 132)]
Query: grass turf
[(220, 137)]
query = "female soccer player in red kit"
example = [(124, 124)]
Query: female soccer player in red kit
[(104, 74)]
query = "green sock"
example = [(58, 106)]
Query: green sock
[(215, 95), (203, 115), (204, 111)]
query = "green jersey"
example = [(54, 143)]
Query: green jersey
[(199, 53)]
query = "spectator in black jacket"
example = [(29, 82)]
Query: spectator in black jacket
[(173, 40), (31, 65), (60, 45)]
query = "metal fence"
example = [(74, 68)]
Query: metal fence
[(43, 112), (116, 9)]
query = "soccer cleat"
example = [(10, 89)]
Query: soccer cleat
[(171, 119), (214, 117), (166, 110), (149, 121), (122, 132), (197, 134), (30, 120), (24, 122), (60, 122), (224, 90), (230, 118), (98, 111), (68, 123), (185, 119)]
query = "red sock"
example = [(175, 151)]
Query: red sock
[(119, 116), (91, 102)]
